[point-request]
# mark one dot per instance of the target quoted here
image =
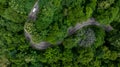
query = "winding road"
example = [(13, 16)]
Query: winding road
[(71, 30)]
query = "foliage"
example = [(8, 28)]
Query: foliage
[(86, 37), (83, 37), (114, 40), (107, 11), (88, 47)]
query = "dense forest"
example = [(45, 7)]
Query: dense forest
[(90, 46)]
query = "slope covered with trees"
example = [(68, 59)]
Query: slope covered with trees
[(90, 46)]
